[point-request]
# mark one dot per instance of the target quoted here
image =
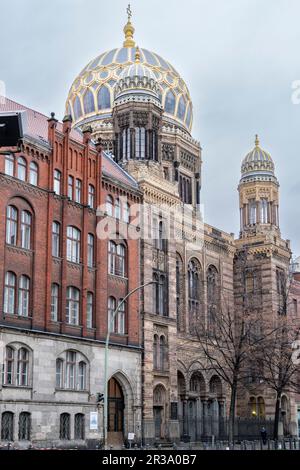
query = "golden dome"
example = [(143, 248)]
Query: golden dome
[(91, 95), (258, 164)]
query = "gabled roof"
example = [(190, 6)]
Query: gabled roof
[(36, 126)]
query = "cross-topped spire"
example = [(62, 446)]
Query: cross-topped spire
[(256, 141)]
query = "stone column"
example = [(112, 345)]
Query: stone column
[(205, 417)]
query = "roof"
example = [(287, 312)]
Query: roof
[(36, 126)]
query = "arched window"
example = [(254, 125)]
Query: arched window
[(89, 310), (212, 295), (78, 186), (11, 225), (181, 108), (23, 367), (104, 98), (264, 211), (111, 310), (126, 212), (252, 212), (121, 323), (70, 186), (109, 205), (194, 294), (9, 365), (64, 426), (77, 108), (112, 249), (33, 173), (82, 375), (72, 305), (140, 143), (21, 168), (170, 102), (120, 265), (70, 369), (161, 299), (26, 221), (57, 181), (24, 426), (73, 244), (261, 408), (156, 352), (55, 239), (79, 425), (162, 242), (126, 144), (88, 102), (23, 296), (179, 290), (155, 293), (188, 116), (59, 373), (9, 164), (91, 196), (117, 208), (163, 353), (90, 250), (7, 426), (54, 301), (9, 293)]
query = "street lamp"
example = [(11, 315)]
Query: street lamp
[(105, 404)]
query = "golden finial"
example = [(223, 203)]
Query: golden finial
[(137, 57), (256, 141), (128, 30)]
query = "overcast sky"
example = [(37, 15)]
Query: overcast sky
[(239, 59)]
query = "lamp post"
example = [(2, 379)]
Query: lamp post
[(110, 324)]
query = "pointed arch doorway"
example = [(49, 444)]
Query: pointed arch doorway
[(115, 431)]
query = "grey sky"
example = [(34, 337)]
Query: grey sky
[(238, 58)]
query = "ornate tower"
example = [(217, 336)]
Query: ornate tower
[(259, 196), (261, 262)]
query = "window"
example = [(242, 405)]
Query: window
[(112, 249), (252, 211), (117, 209), (9, 164), (78, 191), (194, 293), (179, 288), (59, 373), (90, 250), (72, 306), (54, 302), (111, 310), (264, 211), (121, 318), (71, 366), (116, 259), (156, 352), (33, 173), (82, 375), (24, 426), (77, 108), (159, 294), (120, 265), (70, 186), (26, 230), (91, 196), (9, 365), (7, 426), (140, 134), (125, 144), (185, 189), (21, 168), (55, 239), (64, 426), (73, 244), (89, 310), (23, 296), (126, 212), (9, 293), (212, 295), (79, 426), (22, 367), (109, 205), (56, 181), (163, 351), (181, 108), (11, 225)]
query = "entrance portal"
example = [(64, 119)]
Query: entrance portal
[(115, 413)]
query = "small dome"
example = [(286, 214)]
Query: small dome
[(258, 165), (137, 81)]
